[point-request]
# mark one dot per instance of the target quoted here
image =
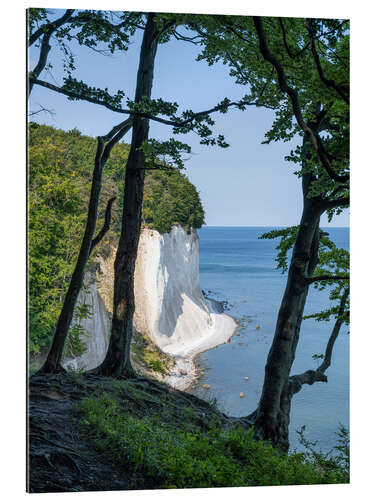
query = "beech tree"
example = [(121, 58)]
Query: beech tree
[(90, 28), (299, 68), (145, 154)]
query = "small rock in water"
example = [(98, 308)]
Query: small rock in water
[(183, 372), (242, 395), (206, 386), (246, 378)]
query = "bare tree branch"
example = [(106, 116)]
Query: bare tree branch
[(336, 329), (106, 225), (318, 375), (42, 109)]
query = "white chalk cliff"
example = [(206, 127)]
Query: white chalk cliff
[(97, 327), (170, 307)]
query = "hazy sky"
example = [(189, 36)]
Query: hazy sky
[(247, 184)]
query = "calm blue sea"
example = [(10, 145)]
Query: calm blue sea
[(238, 267)]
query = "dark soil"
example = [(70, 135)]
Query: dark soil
[(60, 456)]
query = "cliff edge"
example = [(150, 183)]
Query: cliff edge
[(170, 308)]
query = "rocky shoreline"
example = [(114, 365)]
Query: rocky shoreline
[(185, 372)]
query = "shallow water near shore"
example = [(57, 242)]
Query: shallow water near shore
[(237, 267)]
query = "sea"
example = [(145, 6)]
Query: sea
[(239, 270)]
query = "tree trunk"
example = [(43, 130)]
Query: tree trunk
[(117, 360), (295, 383), (52, 363), (272, 416)]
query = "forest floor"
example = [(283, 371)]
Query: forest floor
[(61, 455), (92, 433)]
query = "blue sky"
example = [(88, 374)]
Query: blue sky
[(247, 184)]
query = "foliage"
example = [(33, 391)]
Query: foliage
[(332, 261), (60, 169), (101, 31), (336, 262), (234, 41), (288, 237), (105, 32), (146, 354), (166, 456), (171, 199), (336, 460)]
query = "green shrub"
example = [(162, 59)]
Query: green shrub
[(169, 457)]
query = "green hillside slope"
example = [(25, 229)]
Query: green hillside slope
[(60, 168)]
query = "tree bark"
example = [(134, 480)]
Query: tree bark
[(117, 360), (271, 422), (295, 382), (52, 363), (271, 419)]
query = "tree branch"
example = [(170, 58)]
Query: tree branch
[(177, 124), (311, 376), (191, 39), (336, 329), (338, 202), (83, 17), (42, 109), (329, 83), (116, 134), (326, 277), (166, 26), (45, 46), (290, 54), (293, 95), (106, 225), (49, 28)]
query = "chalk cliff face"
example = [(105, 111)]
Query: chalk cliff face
[(170, 307), (97, 327)]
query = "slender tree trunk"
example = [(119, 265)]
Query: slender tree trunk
[(272, 417), (117, 360), (52, 363)]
